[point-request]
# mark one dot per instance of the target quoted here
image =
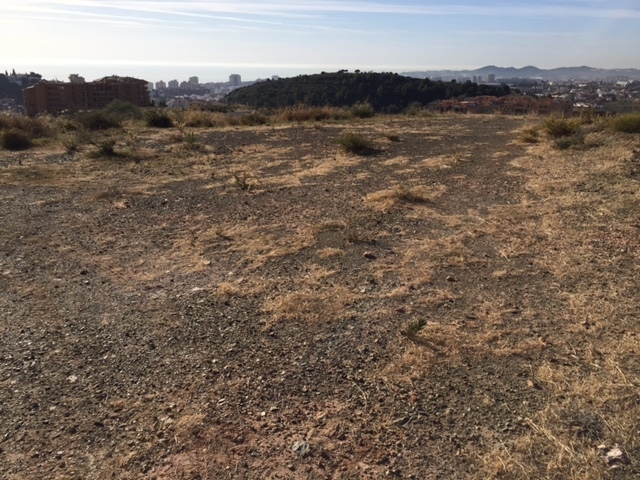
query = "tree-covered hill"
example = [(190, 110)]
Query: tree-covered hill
[(386, 92)]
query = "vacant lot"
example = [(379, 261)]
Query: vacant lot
[(253, 302)]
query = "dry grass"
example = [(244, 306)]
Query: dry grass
[(543, 277)]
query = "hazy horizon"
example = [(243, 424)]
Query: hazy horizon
[(166, 39)]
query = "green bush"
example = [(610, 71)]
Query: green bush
[(356, 143), (15, 139), (120, 110), (158, 118), (629, 123), (363, 110), (557, 127)]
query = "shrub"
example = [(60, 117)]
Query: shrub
[(557, 127), (34, 127), (629, 123), (120, 110), (70, 142), (97, 120), (158, 118), (106, 147), (301, 113), (254, 119), (15, 139), (363, 110), (356, 143), (201, 119)]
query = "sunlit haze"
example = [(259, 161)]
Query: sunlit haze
[(169, 39)]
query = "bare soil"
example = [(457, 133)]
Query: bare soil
[(258, 304)]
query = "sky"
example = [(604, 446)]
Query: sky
[(172, 39)]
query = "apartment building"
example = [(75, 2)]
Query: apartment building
[(56, 97)]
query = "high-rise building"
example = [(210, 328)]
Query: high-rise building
[(161, 85), (491, 78), (173, 84), (193, 81), (235, 80)]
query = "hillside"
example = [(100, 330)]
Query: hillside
[(386, 92), (459, 301)]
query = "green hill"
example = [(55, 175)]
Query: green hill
[(386, 92)]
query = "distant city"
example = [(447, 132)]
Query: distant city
[(581, 86), (180, 94)]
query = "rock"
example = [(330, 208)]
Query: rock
[(369, 255), (615, 457), (302, 448)]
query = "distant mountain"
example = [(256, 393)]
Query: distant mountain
[(562, 73)]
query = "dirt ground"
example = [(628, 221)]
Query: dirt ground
[(254, 303)]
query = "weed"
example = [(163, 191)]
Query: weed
[(191, 141), (245, 181), (158, 118), (557, 127), (414, 327), (356, 143), (15, 139), (629, 123)]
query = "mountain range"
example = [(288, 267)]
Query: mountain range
[(562, 73)]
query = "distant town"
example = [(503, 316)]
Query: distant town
[(609, 91)]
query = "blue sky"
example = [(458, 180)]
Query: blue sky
[(175, 39)]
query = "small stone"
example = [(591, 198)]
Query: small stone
[(451, 279), (72, 379), (369, 255), (616, 457), (302, 448)]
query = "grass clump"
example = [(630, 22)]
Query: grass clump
[(14, 139), (158, 118), (356, 143), (557, 127), (629, 123), (571, 141), (529, 135)]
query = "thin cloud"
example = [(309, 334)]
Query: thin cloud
[(309, 9)]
